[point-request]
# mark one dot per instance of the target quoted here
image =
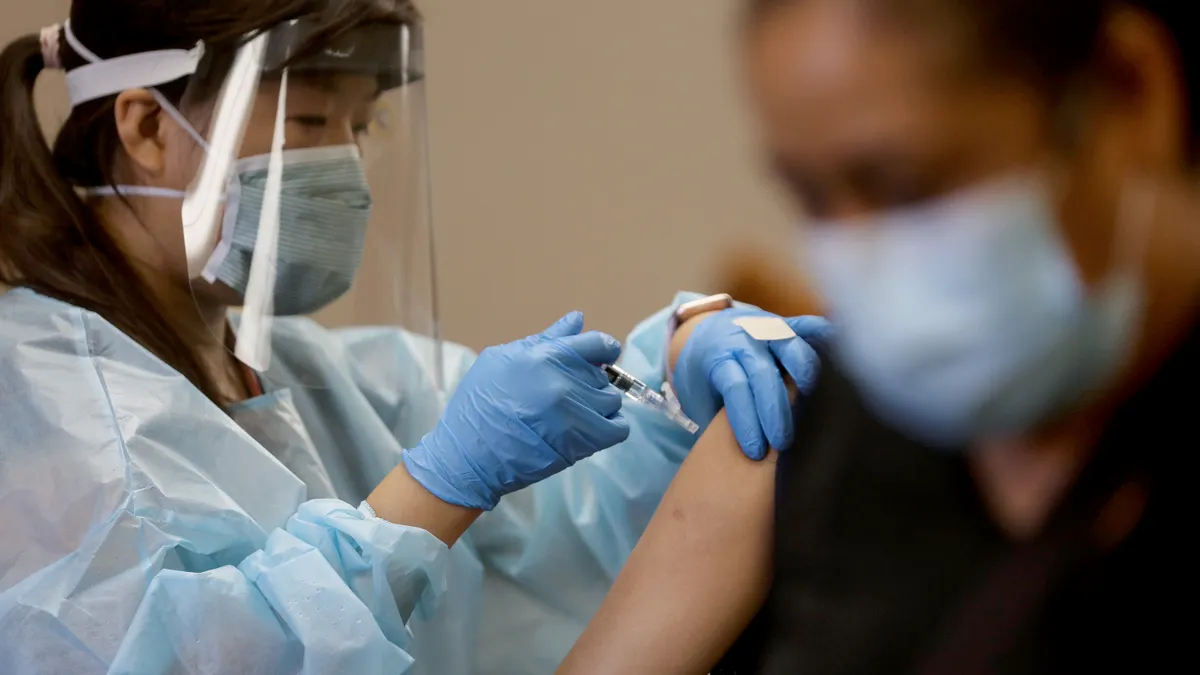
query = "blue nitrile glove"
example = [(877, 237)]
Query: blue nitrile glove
[(721, 365), (525, 411)]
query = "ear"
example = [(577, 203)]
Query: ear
[(136, 113), (1141, 60)]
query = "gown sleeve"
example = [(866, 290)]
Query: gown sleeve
[(142, 532)]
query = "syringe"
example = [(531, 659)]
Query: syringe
[(639, 391)]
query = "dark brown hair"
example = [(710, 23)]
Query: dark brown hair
[(50, 241), (1050, 42)]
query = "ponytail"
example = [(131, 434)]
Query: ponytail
[(52, 243)]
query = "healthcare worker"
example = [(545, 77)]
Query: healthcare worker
[(179, 493)]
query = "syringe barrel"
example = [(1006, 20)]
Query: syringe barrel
[(619, 378), (633, 387)]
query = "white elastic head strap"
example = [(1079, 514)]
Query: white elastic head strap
[(105, 77)]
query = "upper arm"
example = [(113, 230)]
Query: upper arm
[(699, 573)]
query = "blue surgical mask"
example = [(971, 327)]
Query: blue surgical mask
[(967, 318), (325, 206)]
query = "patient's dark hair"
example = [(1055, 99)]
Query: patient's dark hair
[(1050, 42), (50, 241)]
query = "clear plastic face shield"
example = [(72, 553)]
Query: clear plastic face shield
[(313, 198), (310, 193)]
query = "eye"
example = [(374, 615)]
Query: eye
[(892, 185), (314, 121), (810, 196)]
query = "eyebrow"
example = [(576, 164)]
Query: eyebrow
[(328, 84)]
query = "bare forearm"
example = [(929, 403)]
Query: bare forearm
[(698, 575), (402, 500)]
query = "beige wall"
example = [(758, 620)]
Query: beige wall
[(572, 141)]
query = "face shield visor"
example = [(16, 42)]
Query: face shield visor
[(311, 194)]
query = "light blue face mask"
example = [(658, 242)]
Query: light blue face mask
[(325, 207), (966, 318)]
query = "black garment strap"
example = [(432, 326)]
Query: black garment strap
[(988, 625), (1016, 593)]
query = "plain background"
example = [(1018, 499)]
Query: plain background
[(586, 155)]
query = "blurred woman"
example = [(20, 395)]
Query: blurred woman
[(1000, 202)]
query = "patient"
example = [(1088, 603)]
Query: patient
[(993, 475)]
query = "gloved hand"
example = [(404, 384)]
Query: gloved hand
[(525, 411), (721, 365)]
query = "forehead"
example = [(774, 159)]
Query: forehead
[(832, 75), (816, 63)]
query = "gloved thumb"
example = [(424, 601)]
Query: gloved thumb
[(815, 330), (571, 324)]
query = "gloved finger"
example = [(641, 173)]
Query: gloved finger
[(800, 361), (587, 433), (730, 380), (577, 372), (770, 397), (571, 324), (614, 430), (815, 330), (605, 402), (594, 347)]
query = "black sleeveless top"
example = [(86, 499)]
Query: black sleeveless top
[(887, 563)]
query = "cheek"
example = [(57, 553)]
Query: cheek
[(1097, 184), (259, 134), (155, 238), (184, 157)]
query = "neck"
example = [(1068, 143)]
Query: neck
[(1024, 479), (189, 307)]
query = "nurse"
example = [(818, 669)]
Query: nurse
[(183, 493)]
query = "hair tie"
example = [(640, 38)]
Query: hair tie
[(51, 51)]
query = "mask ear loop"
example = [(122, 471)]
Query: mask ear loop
[(254, 337), (174, 114), (133, 191)]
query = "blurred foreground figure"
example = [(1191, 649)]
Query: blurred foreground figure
[(1000, 214), (1002, 218), (764, 279)]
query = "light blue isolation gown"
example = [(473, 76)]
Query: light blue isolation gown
[(143, 531)]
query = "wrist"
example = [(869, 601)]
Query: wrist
[(403, 500), (442, 469)]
